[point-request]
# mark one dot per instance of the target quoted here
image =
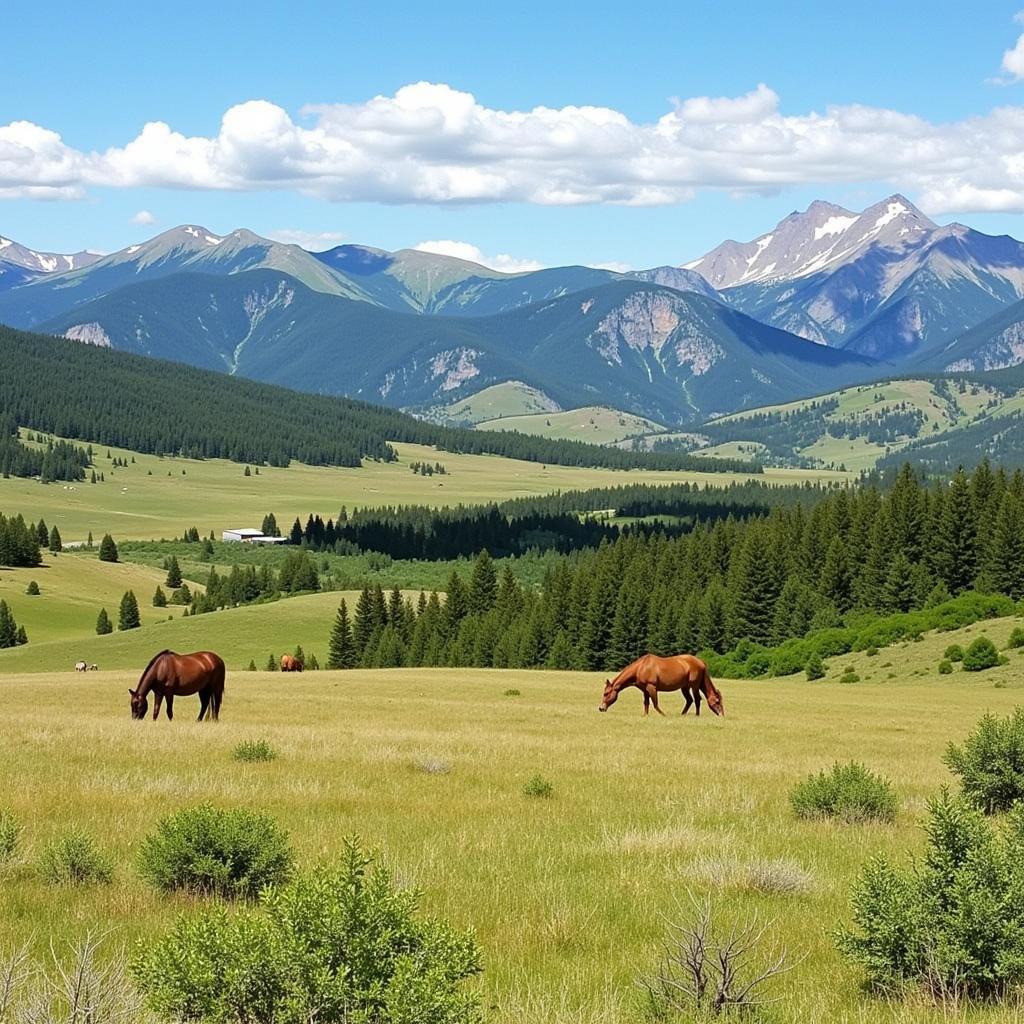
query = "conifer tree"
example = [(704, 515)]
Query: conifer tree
[(483, 584), (342, 652), (43, 533), (159, 598), (8, 627), (173, 573), (955, 545), (56, 544), (108, 549), (103, 626), (128, 614)]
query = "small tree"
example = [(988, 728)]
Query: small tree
[(990, 763), (982, 654), (108, 549), (128, 614), (8, 627), (300, 655), (342, 652), (815, 669), (252, 665), (173, 580), (56, 544), (159, 598), (32, 589), (271, 663), (103, 626)]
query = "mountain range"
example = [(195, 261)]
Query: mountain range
[(828, 298)]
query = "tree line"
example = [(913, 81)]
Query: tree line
[(761, 579), (58, 460), (161, 407)]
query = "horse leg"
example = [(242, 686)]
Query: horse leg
[(647, 703), (215, 700), (689, 701), (654, 701), (204, 703), (696, 698), (157, 698), (170, 707)]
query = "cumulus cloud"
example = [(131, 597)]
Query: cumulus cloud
[(314, 241), (143, 217), (467, 251), (431, 143), (1013, 59), (617, 266)]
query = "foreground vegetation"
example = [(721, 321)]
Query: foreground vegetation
[(430, 766)]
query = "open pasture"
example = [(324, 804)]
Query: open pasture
[(215, 494), (568, 895)]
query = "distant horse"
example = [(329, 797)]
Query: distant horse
[(653, 675), (291, 664), (173, 675), (92, 668), (81, 666)]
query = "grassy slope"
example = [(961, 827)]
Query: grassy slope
[(215, 494), (510, 398), (594, 423), (567, 896), (73, 588)]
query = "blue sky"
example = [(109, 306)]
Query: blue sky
[(551, 190)]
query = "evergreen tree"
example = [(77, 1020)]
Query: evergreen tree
[(956, 543), (898, 591), (836, 583), (363, 624), (103, 626), (43, 533), (108, 549), (1006, 553), (561, 655), (271, 663), (755, 588), (159, 598), (128, 614), (300, 655), (56, 544), (22, 637), (32, 589), (342, 652), (483, 584), (8, 627), (173, 573), (269, 526)]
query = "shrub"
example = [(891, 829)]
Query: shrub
[(204, 849), (945, 667), (108, 549), (849, 792), (341, 944), (10, 832), (815, 669), (954, 921), (254, 750), (981, 654), (872, 651), (32, 589), (990, 763), (513, 693), (75, 859), (954, 652), (1016, 638), (538, 787), (849, 676)]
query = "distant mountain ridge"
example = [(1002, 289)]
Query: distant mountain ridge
[(20, 265)]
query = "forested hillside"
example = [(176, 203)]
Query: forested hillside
[(80, 391)]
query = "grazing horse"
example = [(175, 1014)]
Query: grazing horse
[(81, 666), (290, 664), (173, 675), (653, 675)]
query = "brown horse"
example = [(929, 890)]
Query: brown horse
[(290, 664), (170, 675), (653, 675)]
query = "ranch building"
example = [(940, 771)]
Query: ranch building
[(246, 535)]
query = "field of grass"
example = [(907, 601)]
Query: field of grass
[(216, 495), (596, 424), (510, 398), (568, 895), (73, 588)]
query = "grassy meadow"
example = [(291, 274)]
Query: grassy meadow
[(162, 497), (568, 895), (595, 424)]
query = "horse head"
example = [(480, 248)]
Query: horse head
[(714, 698), (140, 704), (610, 696)]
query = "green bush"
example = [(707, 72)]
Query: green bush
[(814, 668), (849, 792), (32, 589), (954, 652), (990, 763), (75, 859), (538, 787), (849, 676), (872, 651), (10, 832), (233, 853), (1016, 638), (945, 667), (953, 922), (981, 654), (339, 945), (513, 693), (254, 750)]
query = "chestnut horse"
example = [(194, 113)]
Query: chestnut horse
[(653, 675), (290, 663), (170, 675)]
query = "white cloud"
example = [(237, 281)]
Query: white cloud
[(467, 251), (143, 217), (617, 266), (430, 143), (314, 241)]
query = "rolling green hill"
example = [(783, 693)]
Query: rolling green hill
[(511, 398), (595, 423)]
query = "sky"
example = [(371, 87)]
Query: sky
[(525, 135)]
